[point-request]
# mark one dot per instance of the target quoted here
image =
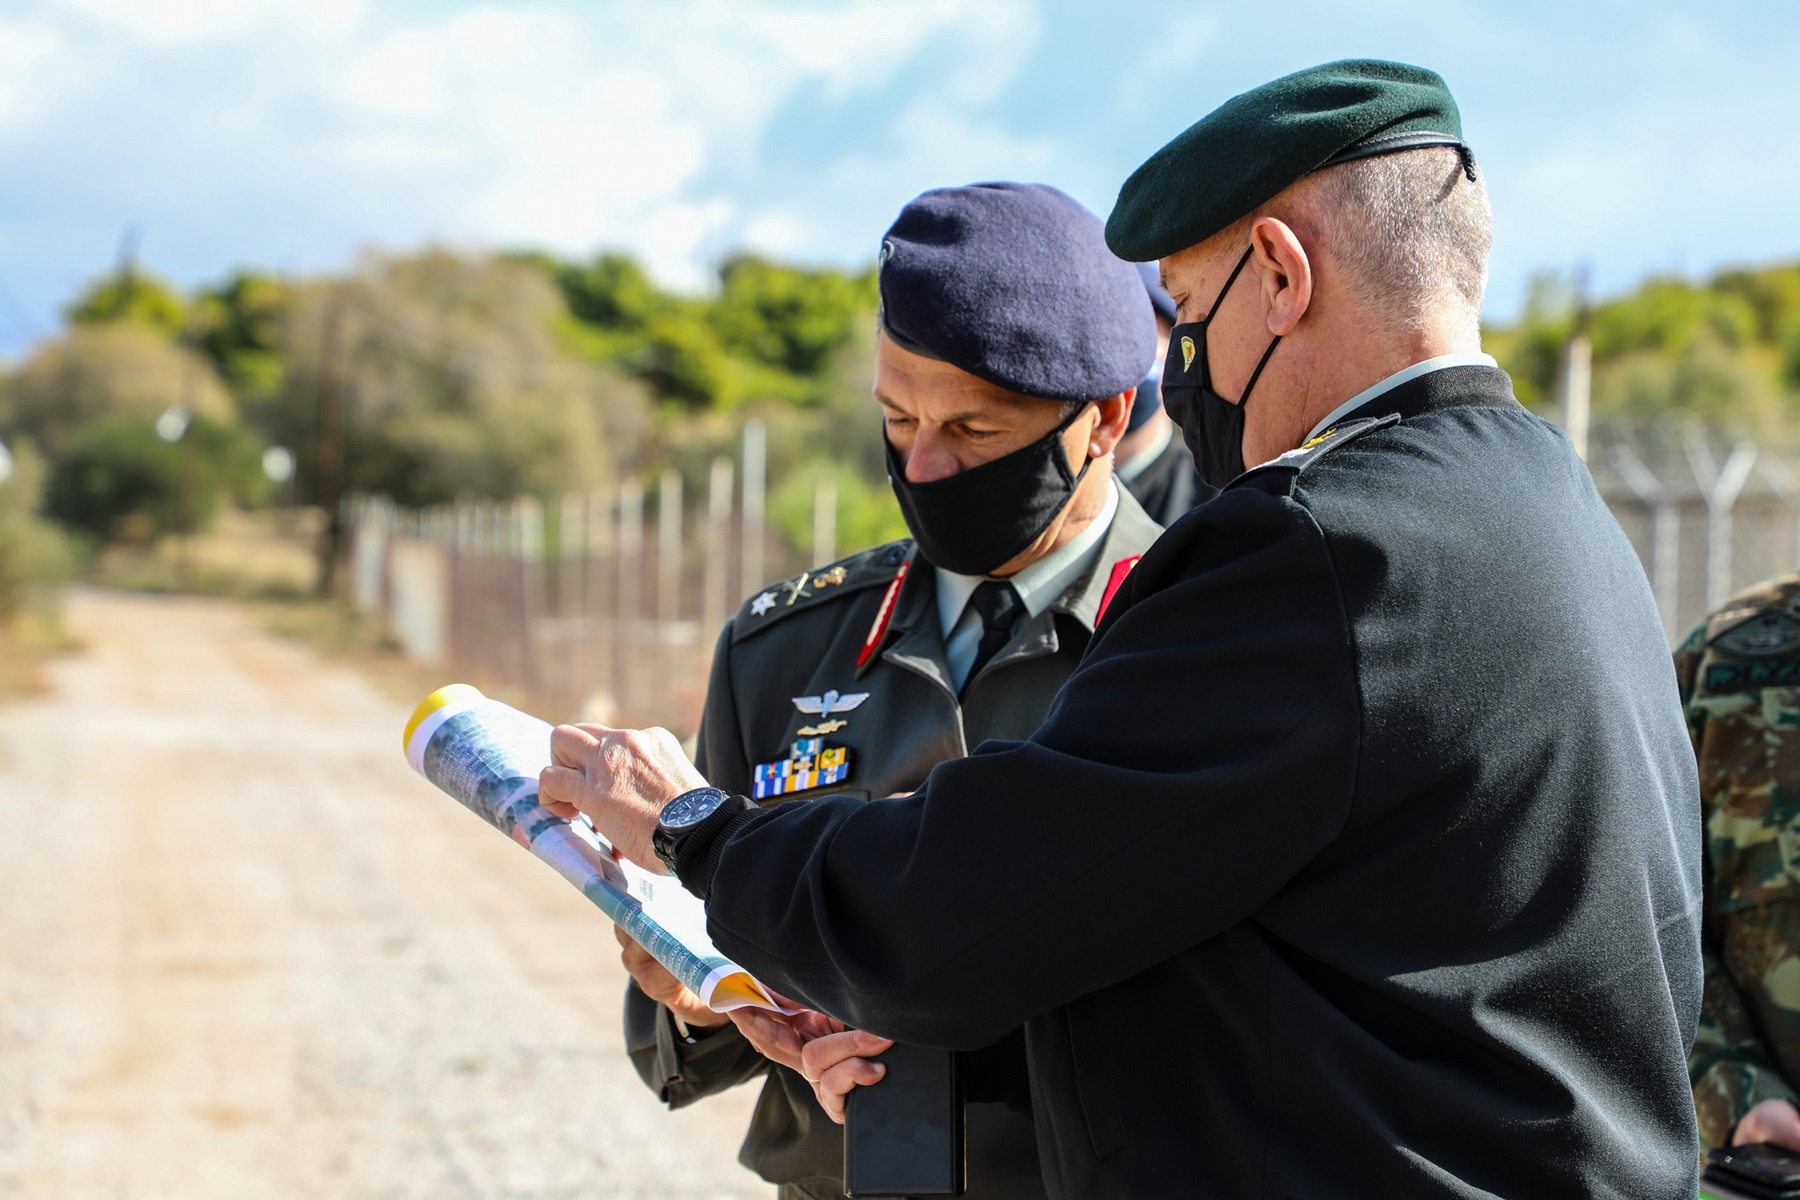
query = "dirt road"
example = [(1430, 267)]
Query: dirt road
[(245, 953)]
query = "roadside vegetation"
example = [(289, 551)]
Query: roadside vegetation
[(453, 374)]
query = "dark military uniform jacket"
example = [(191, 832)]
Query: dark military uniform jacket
[(803, 638), (1740, 683), (1359, 858), (1170, 485)]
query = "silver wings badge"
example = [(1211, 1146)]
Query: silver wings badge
[(833, 701)]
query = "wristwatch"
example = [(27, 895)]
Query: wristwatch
[(688, 814)]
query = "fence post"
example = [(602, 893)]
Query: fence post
[(1665, 534), (1782, 482), (668, 550), (824, 521), (1721, 489), (629, 565), (756, 444), (1578, 376), (528, 521), (718, 548)]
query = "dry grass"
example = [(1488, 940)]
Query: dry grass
[(338, 633), (268, 554), (28, 642)]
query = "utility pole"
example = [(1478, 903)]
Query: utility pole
[(331, 442), (668, 551)]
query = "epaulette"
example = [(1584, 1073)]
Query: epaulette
[(820, 586), (1760, 622), (1305, 455)]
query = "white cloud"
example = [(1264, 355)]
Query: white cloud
[(638, 124), (36, 70)]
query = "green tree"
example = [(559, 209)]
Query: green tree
[(453, 381), (1725, 351), (610, 291), (238, 325), (131, 295), (786, 317)]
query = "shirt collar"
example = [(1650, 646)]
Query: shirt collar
[(1043, 581), (1476, 359)]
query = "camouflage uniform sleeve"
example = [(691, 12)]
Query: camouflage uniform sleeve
[(1687, 674), (1729, 1067), (681, 1070)]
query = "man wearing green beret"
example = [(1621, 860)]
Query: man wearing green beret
[(1360, 856)]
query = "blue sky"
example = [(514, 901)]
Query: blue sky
[(290, 134)]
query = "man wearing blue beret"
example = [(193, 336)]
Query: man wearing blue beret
[(1360, 857), (1009, 344)]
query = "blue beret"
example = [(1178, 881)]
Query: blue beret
[(1161, 301), (1244, 152), (1013, 283)]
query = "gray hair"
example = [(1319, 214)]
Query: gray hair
[(1409, 230)]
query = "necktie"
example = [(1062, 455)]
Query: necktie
[(998, 604)]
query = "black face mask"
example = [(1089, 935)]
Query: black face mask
[(1212, 426), (979, 519)]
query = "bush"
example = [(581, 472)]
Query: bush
[(867, 513), (105, 370), (117, 479), (33, 556)]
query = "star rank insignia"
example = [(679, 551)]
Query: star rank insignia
[(762, 604), (810, 764)]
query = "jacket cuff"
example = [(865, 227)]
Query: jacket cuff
[(697, 858)]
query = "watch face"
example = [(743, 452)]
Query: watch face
[(690, 808)]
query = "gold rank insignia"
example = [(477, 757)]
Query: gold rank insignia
[(825, 579), (810, 764)]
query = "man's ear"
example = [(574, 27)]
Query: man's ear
[(1114, 412), (1284, 273)]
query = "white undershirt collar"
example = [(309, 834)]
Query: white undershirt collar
[(1476, 359)]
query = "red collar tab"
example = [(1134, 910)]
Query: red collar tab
[(886, 613), (1120, 570)]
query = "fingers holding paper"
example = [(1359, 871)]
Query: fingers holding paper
[(619, 778), (781, 1038)]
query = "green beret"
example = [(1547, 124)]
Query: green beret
[(1248, 149)]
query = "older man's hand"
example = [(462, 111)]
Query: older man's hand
[(826, 1054), (620, 778)]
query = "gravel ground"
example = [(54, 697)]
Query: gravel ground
[(246, 953)]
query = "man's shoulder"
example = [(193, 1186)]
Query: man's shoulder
[(820, 594), (1282, 475)]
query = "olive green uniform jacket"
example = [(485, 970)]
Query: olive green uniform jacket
[(1740, 686), (802, 638)]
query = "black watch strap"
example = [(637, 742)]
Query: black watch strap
[(693, 854)]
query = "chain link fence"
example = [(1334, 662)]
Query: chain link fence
[(1707, 519)]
